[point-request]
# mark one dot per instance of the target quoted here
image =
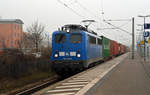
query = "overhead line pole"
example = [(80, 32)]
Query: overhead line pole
[(144, 42), (133, 38), (142, 29)]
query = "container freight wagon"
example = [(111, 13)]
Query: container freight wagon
[(127, 49), (121, 49), (105, 47), (114, 48)]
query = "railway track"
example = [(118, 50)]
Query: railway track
[(44, 84)]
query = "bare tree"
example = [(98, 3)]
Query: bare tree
[(47, 39), (26, 41), (35, 34)]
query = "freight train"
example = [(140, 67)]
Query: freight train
[(74, 48)]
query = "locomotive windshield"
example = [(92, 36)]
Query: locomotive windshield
[(75, 38), (60, 38)]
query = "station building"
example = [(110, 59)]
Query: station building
[(11, 31)]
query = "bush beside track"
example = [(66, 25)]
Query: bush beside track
[(18, 70)]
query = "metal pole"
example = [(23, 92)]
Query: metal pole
[(144, 41), (48, 41), (147, 52), (133, 38)]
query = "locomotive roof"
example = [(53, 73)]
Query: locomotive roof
[(80, 27), (75, 26)]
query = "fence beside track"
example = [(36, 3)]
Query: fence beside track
[(20, 69)]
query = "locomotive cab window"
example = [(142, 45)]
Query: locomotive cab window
[(75, 38), (99, 42), (60, 38), (92, 40)]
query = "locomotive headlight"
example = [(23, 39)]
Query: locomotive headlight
[(78, 55), (56, 55), (67, 30)]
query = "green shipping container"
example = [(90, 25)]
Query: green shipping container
[(105, 47)]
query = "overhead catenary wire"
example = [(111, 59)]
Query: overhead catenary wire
[(76, 1), (114, 28), (71, 9), (119, 20), (128, 21), (95, 15), (83, 7), (102, 9), (124, 24), (71, 3), (86, 9), (117, 27)]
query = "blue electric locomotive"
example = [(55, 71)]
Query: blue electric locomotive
[(74, 48)]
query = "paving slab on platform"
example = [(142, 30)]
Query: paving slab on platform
[(131, 77)]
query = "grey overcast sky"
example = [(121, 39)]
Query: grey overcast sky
[(53, 14)]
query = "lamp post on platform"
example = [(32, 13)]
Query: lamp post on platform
[(143, 34), (139, 37)]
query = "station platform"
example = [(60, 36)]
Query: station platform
[(119, 76), (131, 77)]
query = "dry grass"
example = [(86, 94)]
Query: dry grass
[(9, 84)]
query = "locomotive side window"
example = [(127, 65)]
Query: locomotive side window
[(92, 40), (60, 38), (99, 41), (75, 38)]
